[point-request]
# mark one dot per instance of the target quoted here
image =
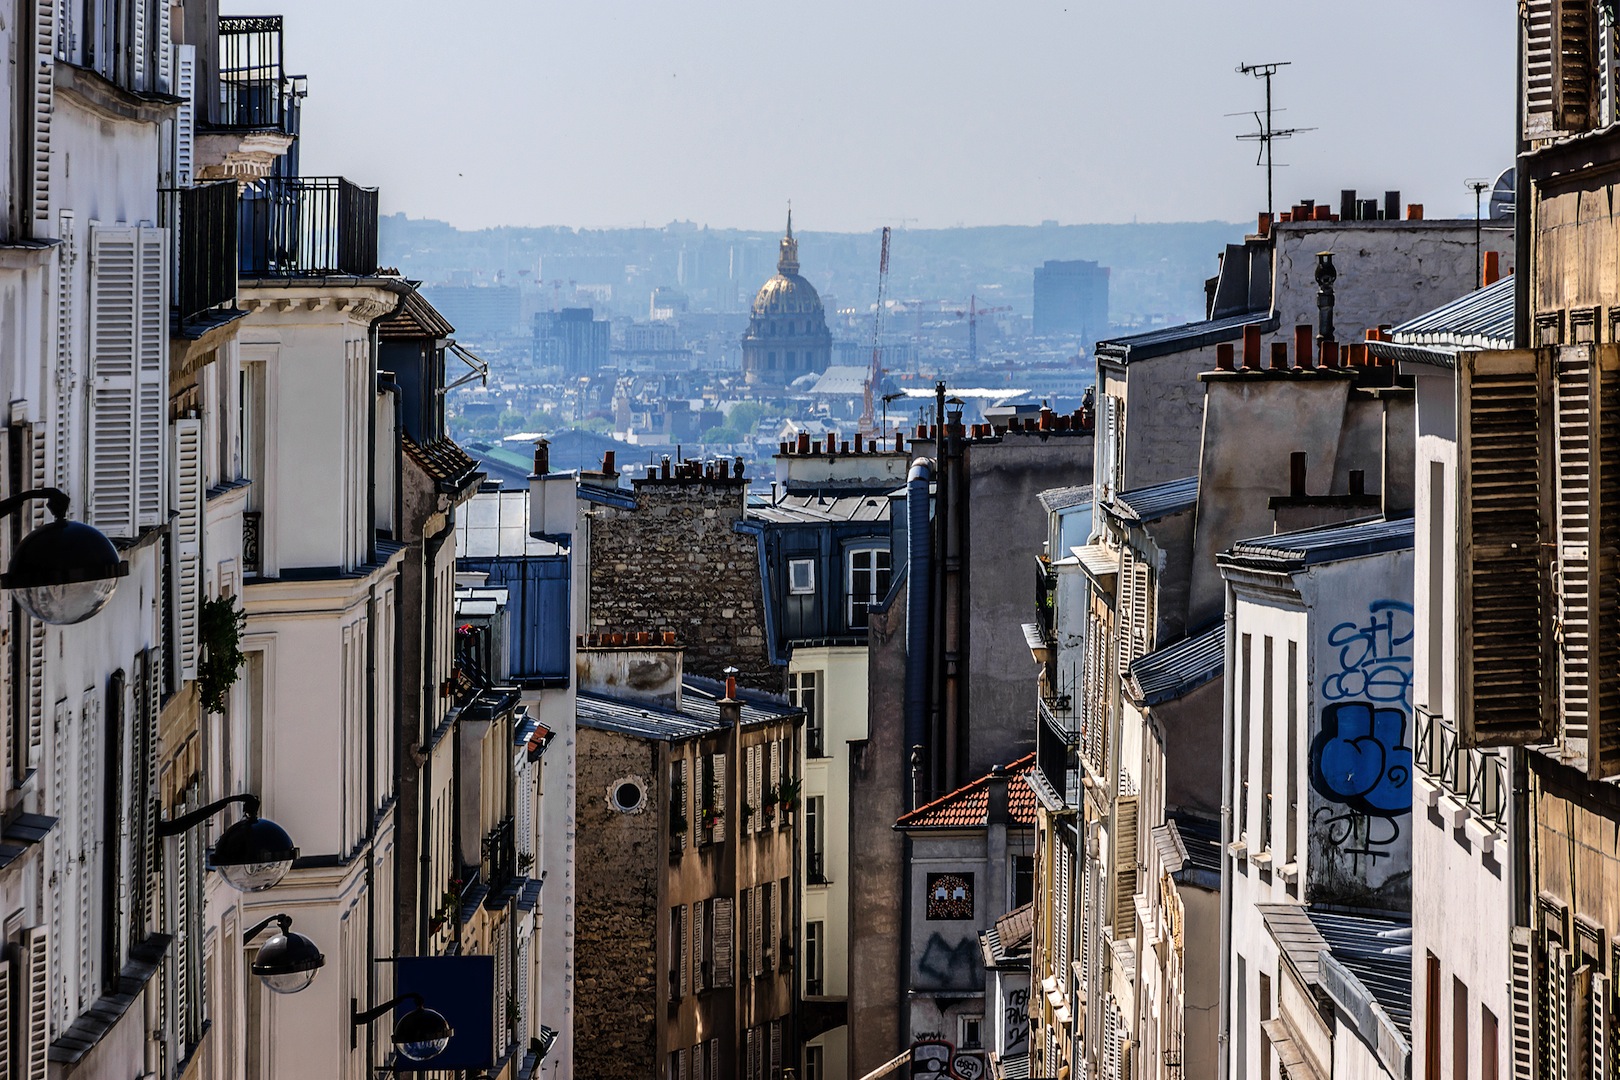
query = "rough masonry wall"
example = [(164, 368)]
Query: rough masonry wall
[(676, 563), (620, 860)]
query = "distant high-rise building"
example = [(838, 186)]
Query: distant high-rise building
[(787, 334), (1071, 297), (572, 339), (479, 310)]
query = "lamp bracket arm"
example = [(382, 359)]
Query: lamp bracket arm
[(56, 501), (359, 1019), (284, 922), (176, 826)]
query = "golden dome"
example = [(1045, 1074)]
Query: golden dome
[(787, 293)]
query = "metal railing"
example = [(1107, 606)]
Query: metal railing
[(203, 236), (1045, 598), (1476, 778), (815, 741), (253, 85), (308, 226), (500, 855), (252, 530)]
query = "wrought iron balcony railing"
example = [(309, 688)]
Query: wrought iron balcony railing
[(252, 529), (307, 226), (255, 92), (500, 856), (203, 232), (1476, 778)]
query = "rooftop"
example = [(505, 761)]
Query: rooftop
[(1168, 673), (1184, 338), (445, 462), (821, 507), (1375, 950), (1326, 544), (698, 715), (1482, 319), (1056, 499), (1158, 500), (1006, 943), (968, 807)]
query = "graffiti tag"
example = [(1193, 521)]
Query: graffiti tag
[(1375, 656)]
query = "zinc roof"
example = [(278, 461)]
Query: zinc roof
[(495, 524), (1329, 543), (968, 807), (867, 506), (1168, 673), (698, 715), (1062, 498), (1158, 500), (1482, 319)]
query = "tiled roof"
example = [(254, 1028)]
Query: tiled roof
[(414, 318), (1168, 673), (1329, 543), (968, 807), (1158, 500), (1016, 928), (442, 459), (1184, 338)]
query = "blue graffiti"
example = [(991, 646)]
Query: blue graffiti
[(1359, 759), (1375, 656)]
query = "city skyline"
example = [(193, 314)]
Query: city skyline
[(721, 115)]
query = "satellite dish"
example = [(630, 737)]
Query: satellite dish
[(1502, 195)]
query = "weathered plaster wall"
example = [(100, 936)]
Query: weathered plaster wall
[(676, 563)]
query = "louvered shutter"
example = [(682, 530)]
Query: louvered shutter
[(1574, 65), (1556, 1002), (1504, 452), (1125, 823), (753, 1054), (1538, 61), (683, 945), (147, 770), (680, 1064), (720, 798), (1576, 400), (1141, 611), (62, 857), (89, 856), (1602, 1026), (162, 50), (754, 771), (44, 91), (7, 1031), (1126, 607), (756, 931), (114, 326), (1579, 1023), (698, 955), (1603, 740), (183, 59), (152, 380), (187, 531), (1063, 931), (1108, 448), (182, 932), (774, 778), (66, 356), (136, 49), (722, 941), (714, 1059), (776, 1046), (34, 1023)]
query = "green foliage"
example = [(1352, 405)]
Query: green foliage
[(220, 626)]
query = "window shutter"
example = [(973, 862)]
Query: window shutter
[(152, 385), (714, 1059), (698, 954), (1556, 1003), (1141, 611), (162, 50), (1109, 448), (1504, 451), (1602, 1028), (1574, 65), (1125, 819), (89, 818), (684, 947), (67, 258), (774, 779), (756, 918), (1579, 1023), (1538, 67), (722, 941), (753, 1054), (1576, 400), (34, 1023), (151, 864), (776, 1046), (188, 504), (137, 47), (62, 858), (720, 798), (183, 59), (680, 1064), (114, 327), (44, 105), (1603, 740), (6, 1028), (1124, 612)]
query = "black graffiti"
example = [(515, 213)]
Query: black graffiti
[(1016, 1021), (950, 967)]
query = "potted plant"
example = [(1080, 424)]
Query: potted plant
[(747, 813), (711, 818), (787, 793), (219, 664), (770, 803)]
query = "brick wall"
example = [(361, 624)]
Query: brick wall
[(676, 563)]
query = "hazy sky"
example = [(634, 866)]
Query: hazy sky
[(926, 113)]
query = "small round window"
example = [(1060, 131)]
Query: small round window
[(627, 795)]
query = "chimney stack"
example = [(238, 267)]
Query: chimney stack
[(1223, 356), (1392, 206), (1251, 347), (1493, 269), (1296, 474), (542, 457), (1358, 482)]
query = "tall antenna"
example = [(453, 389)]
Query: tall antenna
[(1479, 187), (1267, 134)]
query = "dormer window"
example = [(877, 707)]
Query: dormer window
[(801, 576), (869, 575)]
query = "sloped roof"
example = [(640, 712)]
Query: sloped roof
[(1006, 943), (859, 506), (1184, 338), (1482, 319), (849, 380), (415, 317), (445, 462), (698, 715), (1168, 673), (968, 807), (1330, 543), (1057, 499), (1158, 500)]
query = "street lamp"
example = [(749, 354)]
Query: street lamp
[(252, 855), (286, 963), (419, 1035), (64, 571)]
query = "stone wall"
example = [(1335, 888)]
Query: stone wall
[(676, 563), (620, 860)]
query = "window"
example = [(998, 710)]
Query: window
[(868, 582), (1245, 730), (1487, 1045), (1267, 694), (627, 795), (971, 1033), (804, 692), (1023, 879), (1431, 1017), (677, 951), (1459, 1029), (801, 576), (1291, 780), (814, 952), (815, 1065), (815, 839)]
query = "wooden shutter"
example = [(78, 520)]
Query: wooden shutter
[(34, 1023), (680, 1064), (756, 931), (1602, 1026), (1574, 65), (1579, 1023), (152, 380), (1538, 68), (722, 944), (162, 50), (774, 778), (44, 91), (1576, 401), (184, 63), (1125, 824), (776, 1046), (1141, 611), (714, 1059), (188, 505), (114, 322), (698, 955), (720, 798), (1504, 451), (1603, 740), (753, 1054)]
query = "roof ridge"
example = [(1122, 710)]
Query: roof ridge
[(1017, 767)]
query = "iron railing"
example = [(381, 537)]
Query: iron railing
[(1476, 778), (1045, 599), (308, 226), (254, 92), (203, 233), (1057, 750), (500, 856), (252, 530), (816, 870)]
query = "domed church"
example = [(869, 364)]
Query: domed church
[(787, 332)]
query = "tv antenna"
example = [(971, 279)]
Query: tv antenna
[(1267, 133), (1479, 187)]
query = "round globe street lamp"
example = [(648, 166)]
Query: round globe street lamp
[(419, 1035), (287, 962), (252, 855), (64, 571)]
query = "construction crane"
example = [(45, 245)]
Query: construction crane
[(874, 377), (973, 312)]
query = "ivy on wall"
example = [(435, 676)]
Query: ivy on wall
[(220, 625)]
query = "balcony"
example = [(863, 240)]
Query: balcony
[(1045, 599), (203, 225), (254, 91), (307, 227), (252, 530), (816, 868), (1476, 779), (1057, 749), (498, 866)]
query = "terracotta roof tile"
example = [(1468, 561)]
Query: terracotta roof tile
[(968, 806), (442, 459)]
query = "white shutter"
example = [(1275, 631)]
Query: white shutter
[(774, 779), (114, 326), (1108, 466), (152, 386), (161, 50), (184, 62), (182, 934), (137, 47), (756, 927), (89, 855), (62, 859), (753, 1054), (44, 88), (33, 997), (67, 257), (1522, 982), (698, 981), (1125, 825), (6, 1028), (680, 1064), (1602, 1023), (714, 1059), (722, 941), (1125, 610), (188, 504)]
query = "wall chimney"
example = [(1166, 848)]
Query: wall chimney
[(542, 457), (1296, 474), (1493, 268)]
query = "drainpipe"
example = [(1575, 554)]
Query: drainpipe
[(1521, 214), (919, 541), (1223, 1039), (936, 584), (371, 808)]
